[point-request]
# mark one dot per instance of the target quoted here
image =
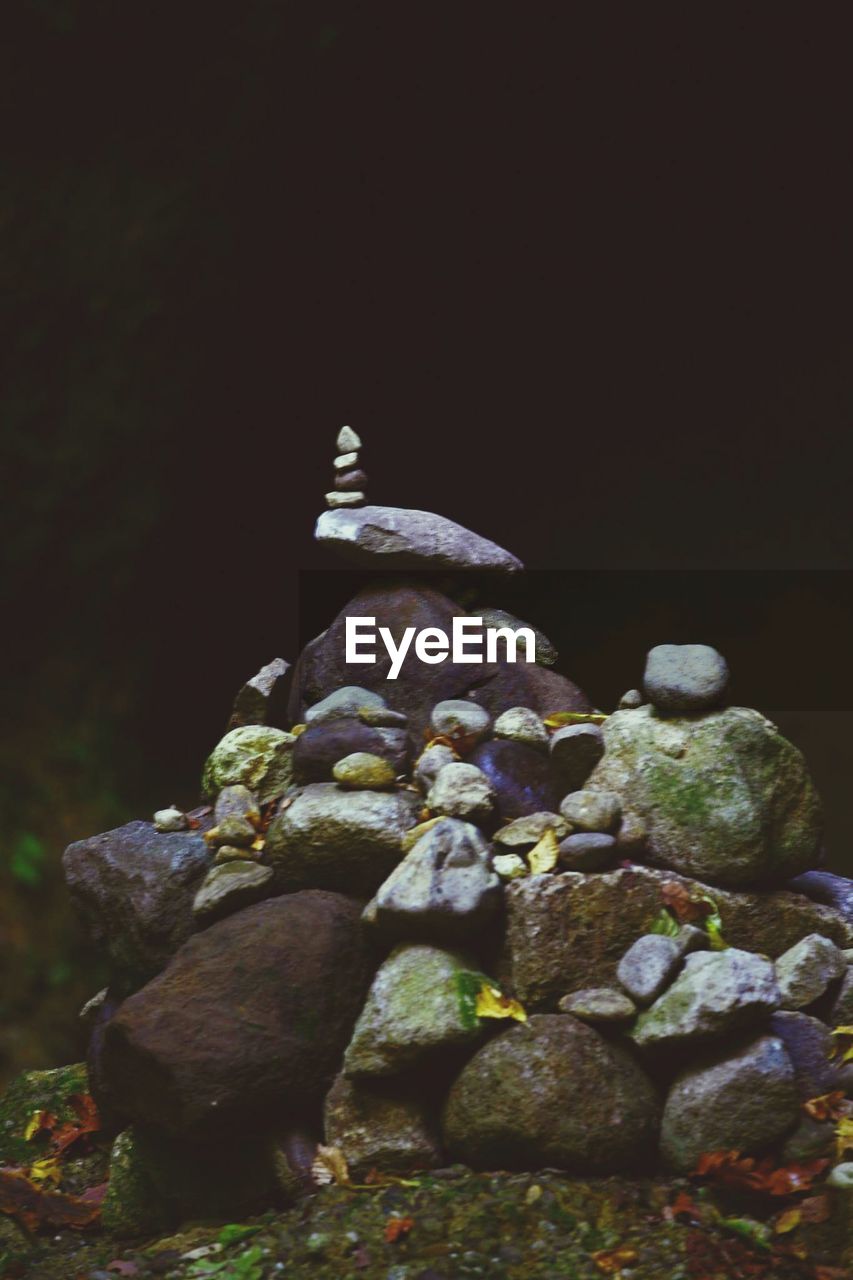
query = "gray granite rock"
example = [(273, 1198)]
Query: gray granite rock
[(521, 724), (715, 995), (134, 888), (254, 701), (460, 718), (805, 970), (395, 537), (841, 1013), (430, 763), (229, 887), (602, 1005), (415, 1010), (649, 966), (443, 891), (462, 791), (740, 1099), (685, 678), (724, 797), (349, 498), (631, 700), (575, 751), (588, 851), (328, 838), (236, 802), (822, 886), (346, 701), (592, 810)]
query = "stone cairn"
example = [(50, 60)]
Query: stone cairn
[(350, 478)]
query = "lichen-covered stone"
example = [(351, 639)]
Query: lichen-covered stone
[(459, 717), (599, 1005), (724, 797), (133, 1206), (522, 834), (648, 966), (348, 841), (805, 970), (715, 995), (571, 930), (592, 810), (462, 791), (740, 1099), (522, 724), (551, 1092), (258, 757), (419, 1006), (378, 1127), (363, 770), (230, 886)]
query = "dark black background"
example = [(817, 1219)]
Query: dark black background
[(578, 274)]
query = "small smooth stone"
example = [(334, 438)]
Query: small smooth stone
[(360, 769), (575, 751), (232, 830), (521, 724), (230, 853), (592, 810), (805, 970), (430, 764), (230, 887), (346, 461), (457, 718), (685, 678), (842, 1176), (351, 481), (236, 801), (631, 700), (598, 1004), (587, 851), (348, 441), (349, 700), (462, 791), (509, 866), (649, 966), (335, 499), (170, 820), (524, 833), (383, 718)]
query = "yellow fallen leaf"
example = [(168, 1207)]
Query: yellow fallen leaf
[(34, 1125), (413, 835), (492, 1003), (611, 1261), (839, 1048), (258, 843), (297, 729), (533, 1194), (545, 855), (559, 719), (843, 1137), (330, 1166), (47, 1170), (787, 1221)]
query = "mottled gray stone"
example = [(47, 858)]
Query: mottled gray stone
[(253, 702), (592, 810), (346, 701), (256, 756), (462, 791), (598, 1005), (229, 887), (521, 724), (805, 970), (685, 678), (587, 851), (397, 537), (378, 1127), (458, 717), (648, 966), (524, 833), (362, 769)]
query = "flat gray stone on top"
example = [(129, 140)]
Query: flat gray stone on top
[(397, 536)]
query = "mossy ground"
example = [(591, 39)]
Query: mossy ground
[(458, 1224)]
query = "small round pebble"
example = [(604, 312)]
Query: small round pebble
[(348, 441), (631, 700), (599, 1004), (351, 481), (430, 764), (649, 966), (509, 866), (457, 718), (521, 724), (587, 851), (462, 791), (363, 770), (230, 853), (592, 810), (170, 820), (685, 678), (238, 801), (842, 1176)]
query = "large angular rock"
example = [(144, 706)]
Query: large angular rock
[(395, 537), (419, 1008), (377, 1127), (134, 888), (443, 891), (715, 995), (522, 777), (740, 1099), (349, 841), (570, 931), (322, 745), (724, 797), (259, 697), (805, 970), (551, 1092), (248, 1023)]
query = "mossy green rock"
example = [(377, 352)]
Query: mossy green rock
[(420, 1004), (552, 1092), (37, 1091), (254, 755), (724, 797), (133, 1206)]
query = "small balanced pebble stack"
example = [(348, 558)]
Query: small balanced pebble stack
[(350, 480)]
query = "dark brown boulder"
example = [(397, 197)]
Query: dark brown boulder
[(248, 1023), (321, 746)]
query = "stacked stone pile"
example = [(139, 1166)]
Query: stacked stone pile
[(350, 478)]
